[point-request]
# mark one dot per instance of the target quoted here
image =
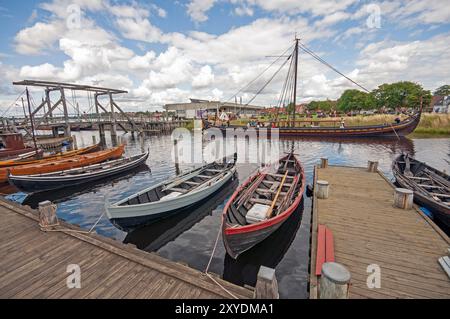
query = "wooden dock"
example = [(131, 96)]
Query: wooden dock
[(33, 264), (368, 230)]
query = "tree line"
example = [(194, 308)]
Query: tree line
[(403, 94)]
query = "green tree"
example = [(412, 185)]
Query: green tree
[(443, 90), (401, 94), (355, 100)]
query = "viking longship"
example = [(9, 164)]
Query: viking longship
[(311, 127)]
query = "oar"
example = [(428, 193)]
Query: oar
[(269, 212)]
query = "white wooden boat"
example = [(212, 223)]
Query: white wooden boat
[(171, 197)]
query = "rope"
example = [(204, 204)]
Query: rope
[(209, 264), (318, 58), (46, 228), (12, 104), (257, 77), (267, 83)]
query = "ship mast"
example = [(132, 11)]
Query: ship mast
[(295, 79)]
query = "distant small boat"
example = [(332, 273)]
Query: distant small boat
[(76, 176), (261, 205), (431, 187), (172, 196), (62, 163)]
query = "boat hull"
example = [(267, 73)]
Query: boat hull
[(389, 131), (439, 212), (241, 239), (133, 216), (62, 164), (34, 184)]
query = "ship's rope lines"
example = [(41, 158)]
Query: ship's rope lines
[(267, 83), (260, 74), (210, 260), (49, 229), (13, 103), (318, 58)]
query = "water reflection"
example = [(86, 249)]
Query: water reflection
[(153, 237), (269, 253)]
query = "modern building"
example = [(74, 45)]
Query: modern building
[(441, 104), (202, 108)]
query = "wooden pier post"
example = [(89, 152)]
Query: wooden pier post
[(94, 140), (323, 162), (266, 284), (403, 198), (113, 121), (177, 162), (372, 166), (74, 142), (323, 188), (47, 214), (334, 281)]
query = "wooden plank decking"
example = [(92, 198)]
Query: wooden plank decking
[(33, 264), (368, 230)]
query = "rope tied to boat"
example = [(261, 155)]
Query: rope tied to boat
[(51, 228), (209, 264)]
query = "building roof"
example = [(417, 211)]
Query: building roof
[(196, 104)]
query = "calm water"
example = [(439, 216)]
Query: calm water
[(190, 237)]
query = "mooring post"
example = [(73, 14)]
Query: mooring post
[(334, 281), (323, 162), (266, 284), (372, 166), (47, 214), (323, 188), (113, 121), (74, 142), (403, 198), (94, 140), (175, 151)]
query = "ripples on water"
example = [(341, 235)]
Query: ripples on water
[(190, 237)]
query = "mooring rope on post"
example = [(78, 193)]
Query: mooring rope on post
[(209, 264)]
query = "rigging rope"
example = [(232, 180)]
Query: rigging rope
[(267, 83), (318, 58), (257, 77), (12, 104)]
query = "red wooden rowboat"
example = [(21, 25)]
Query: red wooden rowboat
[(261, 205)]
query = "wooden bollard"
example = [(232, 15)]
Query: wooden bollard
[(323, 188), (372, 166), (74, 142), (334, 281), (323, 162), (266, 284), (94, 139), (403, 198), (47, 214)]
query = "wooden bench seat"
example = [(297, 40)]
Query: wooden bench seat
[(325, 248)]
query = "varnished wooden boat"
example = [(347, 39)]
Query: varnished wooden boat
[(261, 205), (30, 161), (170, 197), (62, 163), (431, 187), (76, 176)]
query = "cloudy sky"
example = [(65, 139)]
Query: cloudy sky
[(169, 51)]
